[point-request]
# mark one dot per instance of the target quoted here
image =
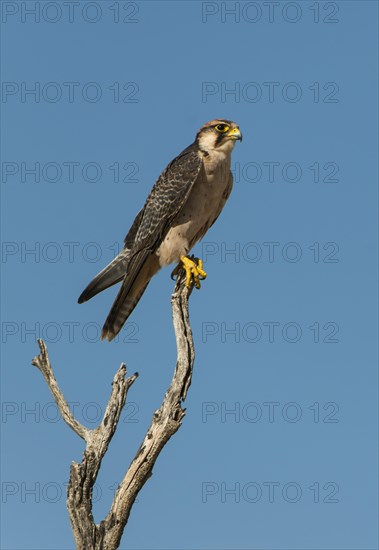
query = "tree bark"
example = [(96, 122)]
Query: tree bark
[(166, 421)]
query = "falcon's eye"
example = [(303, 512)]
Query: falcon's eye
[(222, 128)]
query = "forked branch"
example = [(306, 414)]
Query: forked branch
[(166, 421)]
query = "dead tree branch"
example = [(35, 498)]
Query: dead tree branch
[(166, 421)]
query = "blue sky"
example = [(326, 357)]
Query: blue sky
[(278, 449)]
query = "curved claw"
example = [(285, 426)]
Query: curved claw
[(202, 274), (175, 272)]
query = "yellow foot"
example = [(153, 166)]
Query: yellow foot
[(193, 268)]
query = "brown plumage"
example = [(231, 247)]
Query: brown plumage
[(185, 201)]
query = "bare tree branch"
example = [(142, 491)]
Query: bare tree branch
[(42, 363), (166, 421)]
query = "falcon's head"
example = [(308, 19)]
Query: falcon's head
[(218, 134)]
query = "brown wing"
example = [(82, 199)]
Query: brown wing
[(166, 199)]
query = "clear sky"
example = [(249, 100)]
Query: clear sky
[(278, 449)]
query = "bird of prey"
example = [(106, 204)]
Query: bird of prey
[(184, 202)]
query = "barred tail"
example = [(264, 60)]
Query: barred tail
[(144, 266)]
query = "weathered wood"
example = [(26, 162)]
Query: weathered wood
[(166, 421)]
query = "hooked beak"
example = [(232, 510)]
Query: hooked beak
[(235, 133)]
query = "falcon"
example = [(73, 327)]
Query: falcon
[(184, 202)]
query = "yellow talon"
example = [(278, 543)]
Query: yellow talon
[(193, 268)]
